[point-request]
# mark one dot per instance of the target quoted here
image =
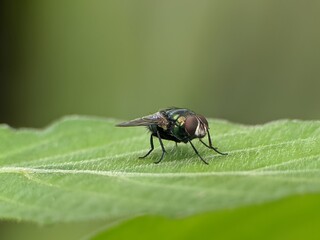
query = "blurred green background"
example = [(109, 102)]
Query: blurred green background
[(247, 61)]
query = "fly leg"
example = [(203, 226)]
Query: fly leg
[(152, 147), (162, 147), (211, 146), (198, 153)]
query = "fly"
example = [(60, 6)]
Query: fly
[(175, 124)]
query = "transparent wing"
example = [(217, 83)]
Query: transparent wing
[(156, 118)]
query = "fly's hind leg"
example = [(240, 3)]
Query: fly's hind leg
[(152, 147), (162, 147)]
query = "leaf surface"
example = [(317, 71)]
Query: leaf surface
[(84, 168)]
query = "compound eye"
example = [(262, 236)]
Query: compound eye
[(203, 120), (191, 125)]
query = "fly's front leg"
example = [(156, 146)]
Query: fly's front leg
[(211, 146), (196, 151)]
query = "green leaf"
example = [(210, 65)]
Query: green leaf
[(83, 168), (290, 218)]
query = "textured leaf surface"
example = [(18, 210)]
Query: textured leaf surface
[(84, 168)]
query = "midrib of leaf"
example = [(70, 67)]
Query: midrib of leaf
[(92, 167), (255, 172)]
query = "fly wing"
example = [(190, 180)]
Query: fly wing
[(156, 118)]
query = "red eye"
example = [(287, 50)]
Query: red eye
[(191, 125), (203, 120)]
